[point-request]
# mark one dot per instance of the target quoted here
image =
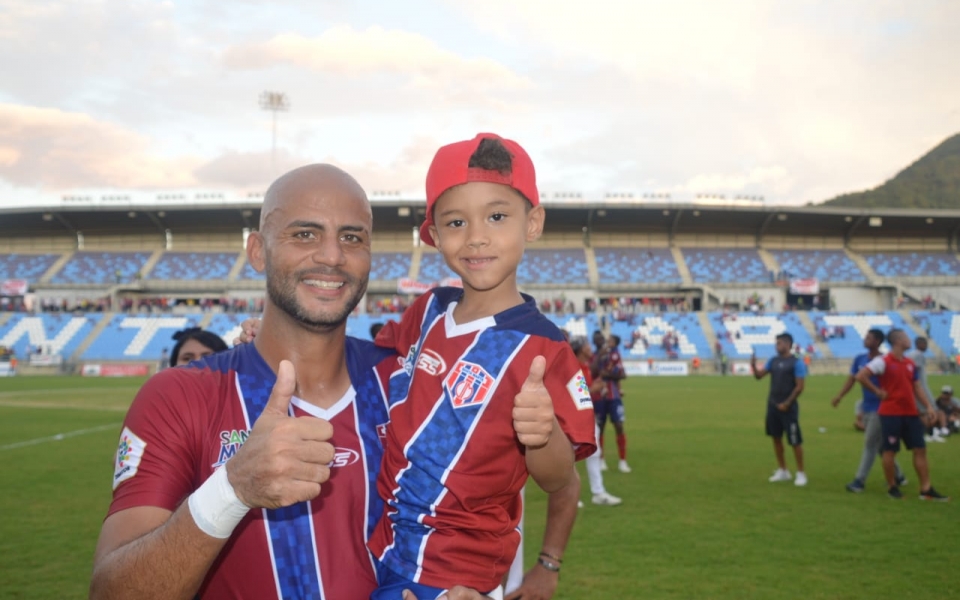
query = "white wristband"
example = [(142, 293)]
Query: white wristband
[(215, 507)]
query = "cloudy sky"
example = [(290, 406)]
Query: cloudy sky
[(795, 100)]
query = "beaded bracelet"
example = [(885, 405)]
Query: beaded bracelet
[(546, 564)]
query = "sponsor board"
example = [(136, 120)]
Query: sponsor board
[(134, 370), (45, 360), (741, 368), (6, 369), (664, 368)]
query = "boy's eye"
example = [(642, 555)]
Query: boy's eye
[(455, 223), (498, 217)]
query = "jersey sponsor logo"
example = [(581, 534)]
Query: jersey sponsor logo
[(467, 384), (580, 392), (129, 453), (382, 432), (430, 362), (230, 442), (344, 457)]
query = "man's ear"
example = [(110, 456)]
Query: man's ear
[(535, 219), (434, 235), (256, 253)]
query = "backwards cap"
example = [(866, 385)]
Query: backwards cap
[(451, 167)]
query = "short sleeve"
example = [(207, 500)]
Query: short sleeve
[(800, 369), (571, 399), (769, 364), (855, 366), (877, 366), (157, 454)]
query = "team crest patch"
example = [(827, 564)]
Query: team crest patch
[(467, 384), (129, 453), (577, 387)]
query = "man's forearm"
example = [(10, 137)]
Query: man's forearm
[(561, 514), (551, 465), (169, 562)]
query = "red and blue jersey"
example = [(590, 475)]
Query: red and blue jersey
[(897, 376), (186, 422), (612, 372), (453, 467)]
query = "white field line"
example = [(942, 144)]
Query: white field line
[(59, 436)]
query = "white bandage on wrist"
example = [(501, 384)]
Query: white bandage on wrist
[(215, 507)]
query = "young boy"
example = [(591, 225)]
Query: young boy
[(453, 467)]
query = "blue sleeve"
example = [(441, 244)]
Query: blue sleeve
[(767, 366), (799, 369), (855, 367)]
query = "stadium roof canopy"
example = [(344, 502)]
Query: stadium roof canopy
[(402, 214)]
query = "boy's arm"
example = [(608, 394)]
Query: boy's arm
[(539, 582), (758, 372), (847, 386), (549, 454)]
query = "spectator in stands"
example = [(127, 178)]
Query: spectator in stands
[(867, 413), (899, 419), (375, 329), (193, 344), (949, 407), (600, 496), (787, 375)]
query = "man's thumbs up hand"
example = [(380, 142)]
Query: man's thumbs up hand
[(285, 459), (533, 417)]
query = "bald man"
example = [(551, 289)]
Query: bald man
[(251, 474)]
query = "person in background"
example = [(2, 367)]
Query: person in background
[(919, 357), (193, 344)]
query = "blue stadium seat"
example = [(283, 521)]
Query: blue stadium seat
[(63, 333), (567, 266), (101, 267), (134, 337), (389, 265), (726, 265), (944, 328), (631, 265), (193, 265), (248, 272), (433, 269), (741, 334), (26, 266), (914, 264), (825, 265), (854, 327)]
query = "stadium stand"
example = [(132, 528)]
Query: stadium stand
[(193, 265), (741, 334), (432, 268), (630, 265), (128, 337), (249, 273), (914, 264), (101, 267), (567, 266), (825, 265), (56, 332), (389, 265), (644, 336), (845, 331), (25, 266), (943, 328), (726, 265)]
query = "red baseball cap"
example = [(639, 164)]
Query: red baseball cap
[(451, 167)]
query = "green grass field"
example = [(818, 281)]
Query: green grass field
[(699, 519)]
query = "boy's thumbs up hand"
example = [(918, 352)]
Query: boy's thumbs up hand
[(285, 459), (533, 416)]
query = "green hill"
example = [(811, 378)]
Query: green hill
[(931, 182)]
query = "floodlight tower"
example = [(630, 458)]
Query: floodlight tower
[(274, 102)]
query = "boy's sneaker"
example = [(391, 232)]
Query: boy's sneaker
[(606, 499), (944, 432), (894, 492), (624, 467), (801, 479), (902, 480), (932, 494), (603, 465), (856, 486), (780, 475)]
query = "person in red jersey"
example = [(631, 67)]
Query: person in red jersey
[(250, 473), (477, 360), (899, 418)]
